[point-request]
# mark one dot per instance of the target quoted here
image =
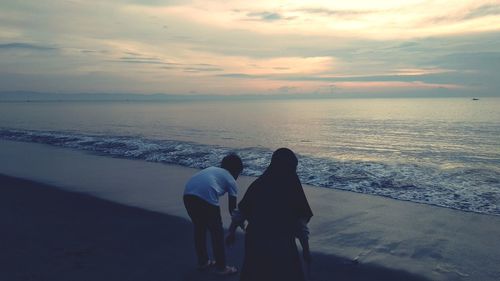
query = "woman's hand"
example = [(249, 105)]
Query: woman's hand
[(307, 259), (307, 256)]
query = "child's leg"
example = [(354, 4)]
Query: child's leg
[(200, 242), (217, 234), (197, 212)]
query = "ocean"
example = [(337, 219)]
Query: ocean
[(441, 151)]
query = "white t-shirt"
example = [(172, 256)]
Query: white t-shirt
[(211, 183)]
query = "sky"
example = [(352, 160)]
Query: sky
[(205, 47)]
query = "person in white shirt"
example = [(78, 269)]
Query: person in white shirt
[(201, 199)]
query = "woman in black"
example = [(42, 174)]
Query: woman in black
[(274, 206)]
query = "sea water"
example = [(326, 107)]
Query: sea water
[(444, 152)]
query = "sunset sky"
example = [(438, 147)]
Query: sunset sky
[(251, 47)]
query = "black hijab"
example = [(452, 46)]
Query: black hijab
[(277, 192)]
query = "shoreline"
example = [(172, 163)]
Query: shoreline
[(420, 188), (434, 242)]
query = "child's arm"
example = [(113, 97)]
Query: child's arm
[(237, 219), (231, 235), (231, 203)]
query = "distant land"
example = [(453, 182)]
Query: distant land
[(27, 96)]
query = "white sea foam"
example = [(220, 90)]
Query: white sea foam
[(463, 188)]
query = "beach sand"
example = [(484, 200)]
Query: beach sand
[(51, 234), (77, 216)]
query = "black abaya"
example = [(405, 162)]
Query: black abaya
[(273, 205)]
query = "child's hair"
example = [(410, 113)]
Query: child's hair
[(233, 164)]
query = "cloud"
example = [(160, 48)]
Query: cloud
[(467, 14), (202, 69), (408, 44), (90, 51), (395, 84), (409, 78), (405, 77), (142, 60), (138, 61), (487, 62), (25, 46), (240, 46), (136, 58), (139, 58), (287, 89), (190, 68), (157, 2), (336, 13), (242, 75), (483, 11), (265, 16)]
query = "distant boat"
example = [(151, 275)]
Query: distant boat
[(475, 99)]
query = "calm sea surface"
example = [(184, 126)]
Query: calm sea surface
[(443, 152)]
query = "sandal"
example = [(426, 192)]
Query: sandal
[(206, 266), (229, 270)]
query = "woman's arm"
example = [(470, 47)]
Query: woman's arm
[(303, 236), (306, 253)]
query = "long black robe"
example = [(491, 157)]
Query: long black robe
[(272, 205)]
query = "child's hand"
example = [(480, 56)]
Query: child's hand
[(230, 238)]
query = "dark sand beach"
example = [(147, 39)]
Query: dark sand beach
[(52, 234), (71, 215)]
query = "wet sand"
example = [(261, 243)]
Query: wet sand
[(100, 218), (52, 234)]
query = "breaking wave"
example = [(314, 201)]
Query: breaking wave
[(467, 189)]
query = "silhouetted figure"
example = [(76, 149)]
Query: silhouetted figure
[(201, 199), (277, 212)]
